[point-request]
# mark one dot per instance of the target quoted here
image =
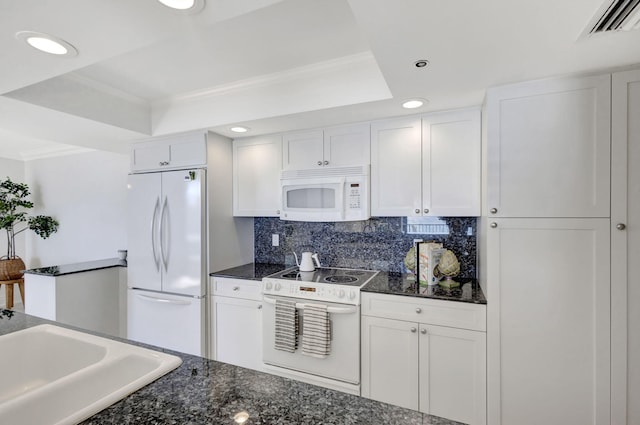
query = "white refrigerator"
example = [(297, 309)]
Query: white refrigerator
[(167, 259)]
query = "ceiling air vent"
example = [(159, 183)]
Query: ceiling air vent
[(616, 15)]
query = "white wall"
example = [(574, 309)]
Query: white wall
[(14, 170), (87, 194)]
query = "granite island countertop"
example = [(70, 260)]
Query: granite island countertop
[(85, 266), (202, 391)]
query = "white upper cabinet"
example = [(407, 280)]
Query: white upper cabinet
[(256, 176), (451, 163), (347, 145), (333, 147), (549, 148), (396, 167), (171, 152), (302, 150), (427, 165)]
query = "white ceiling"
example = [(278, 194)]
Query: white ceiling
[(273, 65)]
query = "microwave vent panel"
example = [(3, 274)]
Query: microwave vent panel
[(326, 172)]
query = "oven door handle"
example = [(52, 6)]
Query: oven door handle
[(332, 310)]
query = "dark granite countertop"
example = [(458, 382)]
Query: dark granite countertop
[(202, 391), (86, 266), (252, 271), (403, 284)]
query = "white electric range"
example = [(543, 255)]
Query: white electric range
[(337, 289)]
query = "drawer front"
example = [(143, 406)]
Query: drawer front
[(433, 312), (236, 288)]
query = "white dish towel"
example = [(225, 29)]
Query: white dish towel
[(286, 327), (316, 331)]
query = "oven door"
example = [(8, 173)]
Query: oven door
[(343, 361)]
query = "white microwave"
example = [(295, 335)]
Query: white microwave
[(325, 194)]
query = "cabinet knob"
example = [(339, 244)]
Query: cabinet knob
[(326, 163), (236, 288), (417, 210), (493, 210), (319, 162), (259, 306), (278, 212), (621, 226), (423, 331), (414, 330), (494, 225), (418, 310), (426, 210)]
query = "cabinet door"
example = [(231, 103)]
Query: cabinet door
[(548, 321), (190, 152), (256, 176), (396, 167), (302, 150), (237, 331), (175, 151), (548, 148), (149, 156), (453, 374), (390, 361), (347, 145), (625, 249), (451, 163)]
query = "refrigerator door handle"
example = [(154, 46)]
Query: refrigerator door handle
[(156, 258), (164, 233), (162, 300)]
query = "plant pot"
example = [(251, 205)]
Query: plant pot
[(11, 269)]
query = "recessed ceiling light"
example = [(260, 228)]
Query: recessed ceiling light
[(47, 43), (421, 63), (413, 103), (188, 6), (239, 129)]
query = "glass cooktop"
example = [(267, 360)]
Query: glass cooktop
[(349, 277)]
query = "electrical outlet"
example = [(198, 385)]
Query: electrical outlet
[(275, 239)]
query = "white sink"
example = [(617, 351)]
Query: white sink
[(53, 375)]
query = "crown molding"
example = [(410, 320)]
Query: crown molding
[(308, 71), (52, 151)]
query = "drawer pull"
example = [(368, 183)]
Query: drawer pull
[(413, 330), (423, 331), (418, 310)]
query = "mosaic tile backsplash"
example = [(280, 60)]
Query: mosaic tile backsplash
[(376, 244)]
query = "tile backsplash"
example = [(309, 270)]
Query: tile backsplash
[(379, 243)]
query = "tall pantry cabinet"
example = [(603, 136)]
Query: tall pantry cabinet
[(546, 230), (625, 248)]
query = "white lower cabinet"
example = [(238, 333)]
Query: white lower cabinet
[(549, 321), (420, 364), (236, 322)]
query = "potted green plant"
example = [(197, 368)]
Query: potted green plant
[(13, 203)]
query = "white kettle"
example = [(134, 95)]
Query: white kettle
[(306, 265)]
